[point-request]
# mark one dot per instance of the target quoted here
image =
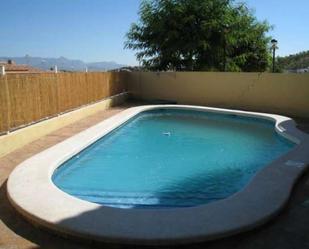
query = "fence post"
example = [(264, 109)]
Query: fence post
[(2, 70)]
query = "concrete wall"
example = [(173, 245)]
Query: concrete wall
[(286, 94)]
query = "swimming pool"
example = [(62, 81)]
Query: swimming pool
[(172, 158), (251, 178)]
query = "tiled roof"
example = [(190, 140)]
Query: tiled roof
[(19, 68)]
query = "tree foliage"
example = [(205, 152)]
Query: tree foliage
[(293, 62), (216, 35)]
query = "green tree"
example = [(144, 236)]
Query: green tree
[(294, 61), (216, 35)]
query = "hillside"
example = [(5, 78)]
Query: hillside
[(295, 61)]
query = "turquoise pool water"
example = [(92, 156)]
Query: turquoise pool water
[(171, 158)]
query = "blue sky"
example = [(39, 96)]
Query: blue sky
[(94, 30)]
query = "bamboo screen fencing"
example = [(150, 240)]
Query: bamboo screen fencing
[(27, 98)]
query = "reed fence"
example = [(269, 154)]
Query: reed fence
[(28, 98)]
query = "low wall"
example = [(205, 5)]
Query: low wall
[(286, 94), (21, 137)]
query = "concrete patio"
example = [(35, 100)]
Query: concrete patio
[(289, 230)]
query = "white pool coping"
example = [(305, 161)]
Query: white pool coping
[(32, 192)]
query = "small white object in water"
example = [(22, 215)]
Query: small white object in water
[(296, 164), (167, 133)]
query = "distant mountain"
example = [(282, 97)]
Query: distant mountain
[(63, 63), (294, 61), (105, 65)]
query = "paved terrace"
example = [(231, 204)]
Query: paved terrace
[(289, 230)]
